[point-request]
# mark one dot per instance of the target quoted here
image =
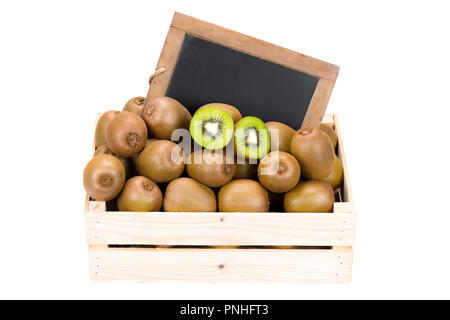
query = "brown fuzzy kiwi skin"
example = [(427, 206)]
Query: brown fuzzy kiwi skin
[(279, 171), (163, 115), (285, 134), (214, 168), (232, 111), (328, 129), (100, 129), (103, 177), (189, 195), (313, 150), (127, 162), (160, 161), (126, 134), (140, 194), (243, 195), (336, 176), (310, 196), (245, 170), (135, 105)]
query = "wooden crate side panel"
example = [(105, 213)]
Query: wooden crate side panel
[(215, 228), (221, 265)]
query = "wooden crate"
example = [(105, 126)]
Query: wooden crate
[(315, 247)]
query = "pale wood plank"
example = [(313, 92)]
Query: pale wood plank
[(215, 228), (347, 190), (221, 265), (256, 47)]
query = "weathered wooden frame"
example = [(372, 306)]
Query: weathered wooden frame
[(208, 243), (183, 24)]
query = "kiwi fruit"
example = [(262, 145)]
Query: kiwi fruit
[(164, 115), (280, 136), (310, 196), (313, 150), (232, 111), (160, 161), (127, 162), (251, 138), (336, 176), (103, 177), (189, 195), (211, 168), (245, 169), (135, 105), (126, 134), (243, 195), (279, 171), (140, 194), (328, 129), (212, 128), (100, 129)]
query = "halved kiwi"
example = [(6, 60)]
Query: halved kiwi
[(135, 105), (279, 171), (233, 111), (212, 128), (126, 134), (140, 194), (103, 177), (251, 138)]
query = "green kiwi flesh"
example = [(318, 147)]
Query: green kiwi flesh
[(232, 111), (213, 169), (135, 105), (328, 129), (126, 134), (164, 115), (313, 150), (280, 136), (160, 161), (336, 176), (251, 138), (212, 128), (310, 196), (189, 195), (243, 195), (100, 129), (140, 194), (103, 177), (279, 171)]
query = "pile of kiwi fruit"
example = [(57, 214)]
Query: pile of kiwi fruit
[(225, 162)]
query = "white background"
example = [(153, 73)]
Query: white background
[(61, 62)]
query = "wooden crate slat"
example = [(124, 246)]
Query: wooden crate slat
[(213, 228), (221, 265)]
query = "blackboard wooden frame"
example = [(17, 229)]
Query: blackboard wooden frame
[(183, 24)]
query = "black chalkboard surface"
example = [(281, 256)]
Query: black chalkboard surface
[(207, 72)]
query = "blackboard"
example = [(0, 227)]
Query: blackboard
[(202, 63), (208, 72)]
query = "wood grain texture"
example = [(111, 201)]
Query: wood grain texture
[(221, 265), (216, 228), (318, 104), (347, 190), (255, 47), (168, 59)]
